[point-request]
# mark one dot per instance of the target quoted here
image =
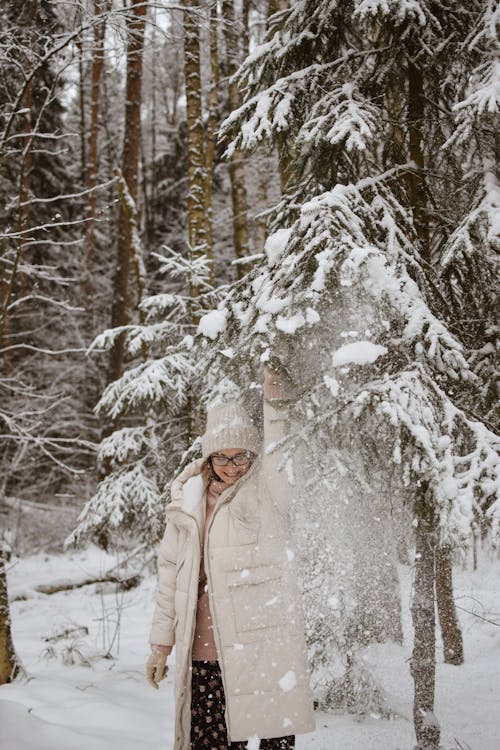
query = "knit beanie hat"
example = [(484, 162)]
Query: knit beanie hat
[(229, 426)]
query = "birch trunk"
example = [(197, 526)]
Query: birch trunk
[(120, 314)]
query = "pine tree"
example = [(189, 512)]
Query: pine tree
[(359, 98)]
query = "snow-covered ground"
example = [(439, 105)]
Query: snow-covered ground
[(97, 703)]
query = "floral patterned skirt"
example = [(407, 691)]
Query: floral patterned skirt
[(208, 726)]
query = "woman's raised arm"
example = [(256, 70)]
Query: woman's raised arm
[(278, 391)]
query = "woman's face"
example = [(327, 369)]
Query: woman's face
[(231, 473)]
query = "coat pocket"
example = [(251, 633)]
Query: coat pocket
[(244, 531), (256, 597)]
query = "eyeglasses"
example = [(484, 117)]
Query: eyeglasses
[(241, 459)]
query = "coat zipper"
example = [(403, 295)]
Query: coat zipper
[(211, 608)]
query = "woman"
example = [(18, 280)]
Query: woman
[(242, 676)]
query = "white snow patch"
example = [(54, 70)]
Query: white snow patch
[(253, 742), (332, 384), (273, 305), (290, 325), (358, 353), (275, 245), (312, 316), (288, 681), (290, 554), (213, 323), (238, 647), (50, 710)]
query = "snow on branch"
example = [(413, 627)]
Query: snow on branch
[(341, 116), (123, 444), (128, 498), (353, 236), (158, 304), (399, 11), (484, 96), (436, 441), (483, 220), (423, 332), (160, 381), (193, 270)]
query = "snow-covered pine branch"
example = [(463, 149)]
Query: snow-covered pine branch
[(127, 500), (158, 382)]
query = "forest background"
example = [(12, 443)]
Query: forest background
[(191, 189)]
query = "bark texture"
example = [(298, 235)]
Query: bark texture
[(91, 161), (453, 646), (120, 314), (212, 125), (196, 203), (416, 178), (9, 664), (423, 660), (236, 163)]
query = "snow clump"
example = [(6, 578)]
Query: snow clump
[(213, 323), (276, 244), (288, 681), (253, 742), (357, 353)]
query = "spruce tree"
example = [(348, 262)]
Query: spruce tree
[(369, 264)]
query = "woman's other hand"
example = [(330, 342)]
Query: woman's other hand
[(156, 667)]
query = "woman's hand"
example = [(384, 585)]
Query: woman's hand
[(156, 667), (277, 382)]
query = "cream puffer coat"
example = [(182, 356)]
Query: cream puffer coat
[(254, 600)]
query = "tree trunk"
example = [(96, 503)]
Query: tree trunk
[(286, 155), (91, 164), (81, 102), (136, 21), (9, 663), (453, 646), (265, 176), (130, 213), (196, 203), (245, 34), (416, 178), (423, 660), (236, 163), (212, 125)]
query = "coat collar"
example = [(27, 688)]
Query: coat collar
[(188, 494)]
